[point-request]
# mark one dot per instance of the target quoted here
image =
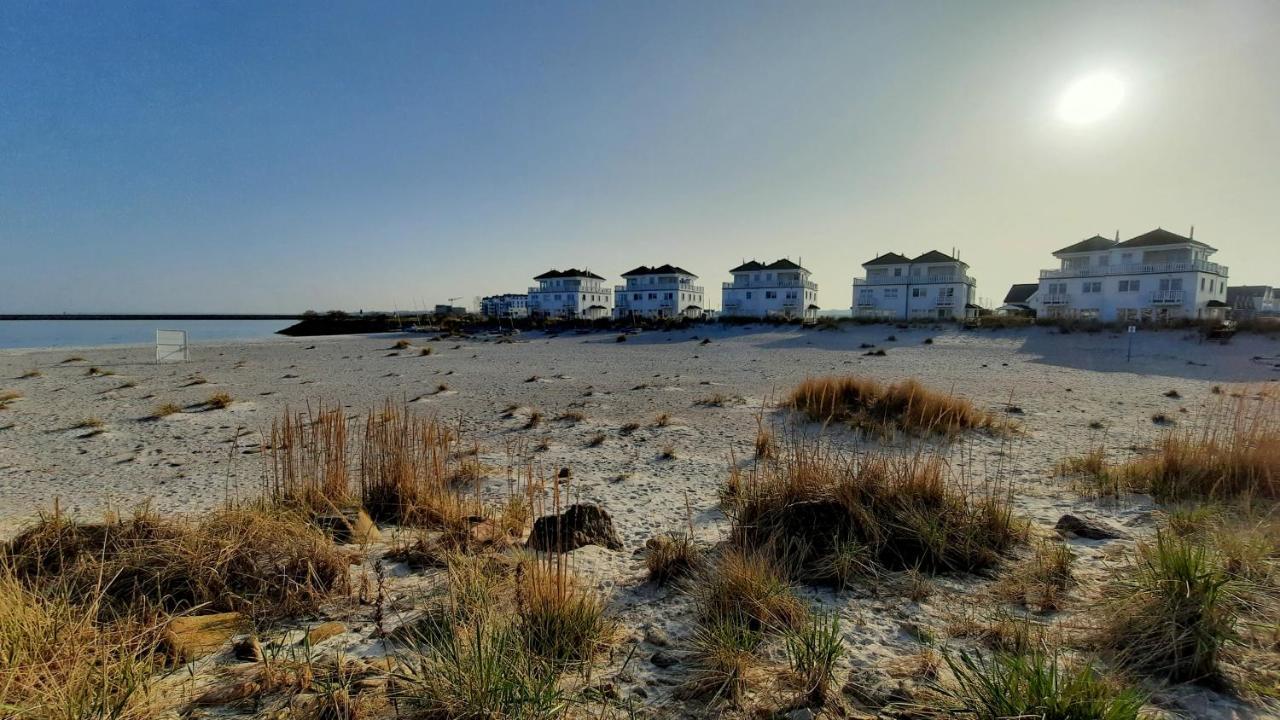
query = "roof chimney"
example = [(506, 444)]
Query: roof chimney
[(1192, 234), (1117, 235)]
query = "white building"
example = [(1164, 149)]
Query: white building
[(932, 286), (1252, 302), (571, 293), (508, 305), (1020, 299), (658, 292), (779, 289), (1155, 276)]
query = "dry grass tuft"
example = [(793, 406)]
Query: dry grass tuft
[(424, 352), (164, 410), (219, 401), (89, 423), (98, 372), (571, 416), (906, 405), (596, 440), (402, 345), (32, 373), (830, 513), (308, 455), (535, 419), (60, 663), (262, 562), (671, 557), (7, 397), (628, 428), (662, 420), (1040, 581)]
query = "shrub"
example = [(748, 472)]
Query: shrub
[(662, 420), (402, 345), (673, 556), (724, 653), (906, 405), (1035, 685)]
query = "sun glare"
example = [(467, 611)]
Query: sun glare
[(1090, 99)]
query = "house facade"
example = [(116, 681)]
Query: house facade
[(663, 291), (1252, 302), (779, 289), (931, 286), (570, 294), (508, 305), (1157, 276), (1020, 299)]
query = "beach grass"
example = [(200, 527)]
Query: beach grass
[(908, 405)]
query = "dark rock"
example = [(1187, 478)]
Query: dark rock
[(247, 649), (564, 473), (664, 659), (349, 525), (1089, 529), (656, 636), (579, 525)]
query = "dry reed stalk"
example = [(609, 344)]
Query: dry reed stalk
[(309, 466)]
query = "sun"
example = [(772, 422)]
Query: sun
[(1091, 98)]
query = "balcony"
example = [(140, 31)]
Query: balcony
[(945, 302), (1056, 299), (1105, 270), (917, 280), (769, 284), (1168, 297), (659, 287)]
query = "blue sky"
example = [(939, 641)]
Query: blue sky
[(269, 156)]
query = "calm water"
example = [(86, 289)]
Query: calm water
[(88, 333)]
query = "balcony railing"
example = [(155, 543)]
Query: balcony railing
[(917, 280), (660, 287), (1056, 299), (1168, 297), (769, 284), (946, 302), (1105, 270)]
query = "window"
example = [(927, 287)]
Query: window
[(1092, 287), (919, 292), (667, 296), (557, 297), (770, 294), (1202, 285), (1057, 289), (890, 293), (1128, 286), (791, 294), (1170, 284), (748, 294), (637, 296), (897, 272), (947, 292), (653, 296)]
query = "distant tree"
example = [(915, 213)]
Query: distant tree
[(310, 315), (336, 315)]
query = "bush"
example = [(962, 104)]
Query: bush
[(748, 589), (673, 556)]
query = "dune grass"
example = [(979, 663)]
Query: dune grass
[(218, 401), (1040, 581), (671, 557), (813, 649), (1035, 684), (830, 513), (1232, 452), (259, 561), (908, 406), (7, 398), (31, 373)]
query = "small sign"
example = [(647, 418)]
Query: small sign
[(1133, 328), (171, 346)]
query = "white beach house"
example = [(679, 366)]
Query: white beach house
[(572, 293), (1254, 302), (934, 285), (779, 289), (1156, 276), (663, 291), (507, 305)]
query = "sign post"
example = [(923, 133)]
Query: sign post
[(171, 346), (1133, 329)]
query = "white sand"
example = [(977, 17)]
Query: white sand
[(190, 461)]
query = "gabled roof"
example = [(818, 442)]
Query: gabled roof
[(570, 273), (775, 265), (933, 256), (658, 270), (783, 265), (1160, 236), (1021, 292), (891, 258), (1093, 244)]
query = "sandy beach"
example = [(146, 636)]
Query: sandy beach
[(1066, 392)]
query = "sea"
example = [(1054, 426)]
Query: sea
[(93, 333)]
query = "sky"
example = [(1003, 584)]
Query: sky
[(268, 156)]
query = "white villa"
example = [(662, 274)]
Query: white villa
[(508, 305), (570, 293), (934, 286), (1251, 302), (779, 289), (658, 292), (1155, 276)]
